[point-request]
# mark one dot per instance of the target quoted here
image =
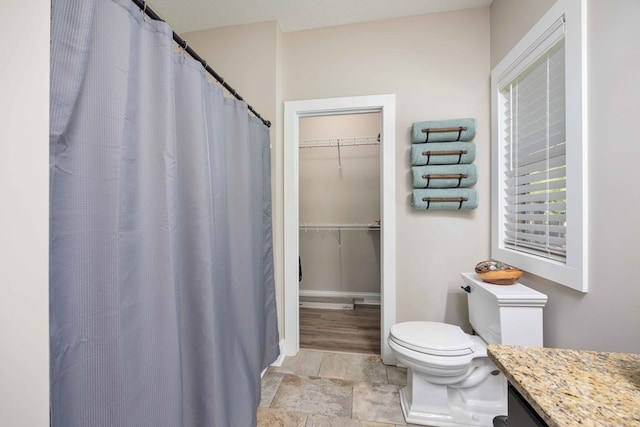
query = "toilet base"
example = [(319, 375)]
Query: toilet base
[(424, 403), (413, 416)]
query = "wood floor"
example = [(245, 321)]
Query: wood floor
[(351, 331)]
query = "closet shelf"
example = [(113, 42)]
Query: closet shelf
[(339, 227), (341, 142)]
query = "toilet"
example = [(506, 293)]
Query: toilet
[(450, 379)]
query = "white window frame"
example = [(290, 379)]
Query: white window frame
[(574, 272)]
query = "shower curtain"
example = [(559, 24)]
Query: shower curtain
[(162, 300)]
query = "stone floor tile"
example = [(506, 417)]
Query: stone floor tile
[(397, 376), (377, 402), (324, 421), (270, 417), (315, 395), (353, 367), (306, 362), (270, 383)]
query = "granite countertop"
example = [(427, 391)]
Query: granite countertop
[(573, 387)]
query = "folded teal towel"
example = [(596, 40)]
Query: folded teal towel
[(418, 136), (443, 153), (450, 198), (444, 176)]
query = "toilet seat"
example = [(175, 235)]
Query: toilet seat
[(432, 338)]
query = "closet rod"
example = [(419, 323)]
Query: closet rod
[(142, 4)]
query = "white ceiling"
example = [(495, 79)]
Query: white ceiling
[(295, 15)]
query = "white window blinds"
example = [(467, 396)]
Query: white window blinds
[(534, 202)]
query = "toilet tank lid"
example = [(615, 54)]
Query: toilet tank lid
[(516, 295), (432, 338)]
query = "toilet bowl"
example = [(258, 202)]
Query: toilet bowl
[(450, 379)]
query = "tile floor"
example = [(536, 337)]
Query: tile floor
[(325, 389)]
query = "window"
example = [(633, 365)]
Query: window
[(535, 161), (538, 182)]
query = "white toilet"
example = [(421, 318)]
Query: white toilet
[(451, 381)]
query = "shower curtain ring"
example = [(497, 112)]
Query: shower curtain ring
[(184, 48), (144, 10)]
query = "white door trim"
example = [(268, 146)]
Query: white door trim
[(293, 111)]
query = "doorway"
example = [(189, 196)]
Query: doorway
[(294, 111), (339, 238)]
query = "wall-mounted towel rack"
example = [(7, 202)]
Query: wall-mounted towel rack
[(458, 153), (458, 176), (459, 200), (458, 129)]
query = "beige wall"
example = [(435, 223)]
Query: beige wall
[(438, 67), (510, 21), (349, 260), (607, 318), (24, 214), (330, 193)]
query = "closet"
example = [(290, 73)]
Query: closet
[(339, 236)]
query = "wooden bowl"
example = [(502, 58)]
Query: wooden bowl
[(497, 272), (501, 277)]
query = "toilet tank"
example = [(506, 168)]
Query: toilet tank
[(505, 314)]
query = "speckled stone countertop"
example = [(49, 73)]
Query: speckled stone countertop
[(573, 387)]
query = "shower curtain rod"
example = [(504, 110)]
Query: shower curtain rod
[(142, 4)]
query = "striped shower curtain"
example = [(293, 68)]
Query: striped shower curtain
[(162, 299)]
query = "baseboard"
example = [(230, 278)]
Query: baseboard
[(278, 362), (327, 304), (370, 298)]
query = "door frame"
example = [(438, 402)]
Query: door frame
[(293, 112)]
